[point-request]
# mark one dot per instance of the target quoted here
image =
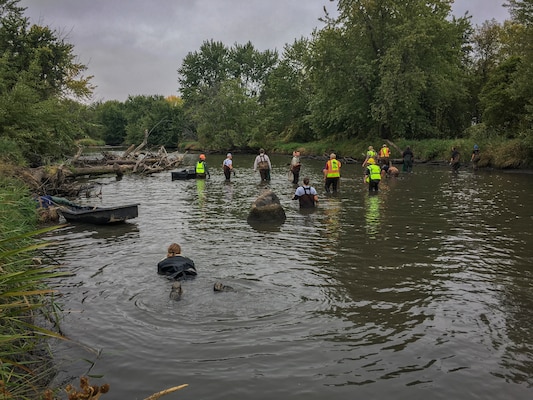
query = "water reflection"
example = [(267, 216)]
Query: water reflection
[(228, 191), (200, 190), (332, 224), (372, 215), (420, 291), (108, 233)]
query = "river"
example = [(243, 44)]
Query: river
[(423, 291)]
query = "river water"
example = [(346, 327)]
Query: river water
[(425, 290)]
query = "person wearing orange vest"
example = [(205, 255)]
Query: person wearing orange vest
[(384, 154), (332, 173)]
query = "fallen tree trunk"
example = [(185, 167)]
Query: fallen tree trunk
[(98, 170)]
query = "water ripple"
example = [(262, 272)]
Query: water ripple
[(423, 290)]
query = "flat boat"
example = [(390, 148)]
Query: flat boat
[(98, 215), (183, 174)]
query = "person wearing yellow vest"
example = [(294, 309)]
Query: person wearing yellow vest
[(201, 168), (384, 155), (332, 173), (372, 175), (371, 153)]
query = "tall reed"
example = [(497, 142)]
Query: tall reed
[(25, 299)]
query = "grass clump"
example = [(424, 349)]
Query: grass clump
[(25, 366)]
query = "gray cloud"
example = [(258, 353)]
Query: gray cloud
[(134, 47)]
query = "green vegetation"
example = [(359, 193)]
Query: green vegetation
[(26, 303), (395, 70)]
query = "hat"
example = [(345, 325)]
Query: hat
[(261, 150), (332, 155), (228, 155), (371, 161), (384, 145), (202, 156), (476, 147)]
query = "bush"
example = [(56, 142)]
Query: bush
[(11, 152)]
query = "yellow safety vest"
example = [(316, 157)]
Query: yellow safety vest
[(200, 167), (333, 169), (374, 172)]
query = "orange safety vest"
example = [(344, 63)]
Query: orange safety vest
[(333, 169), (384, 152)]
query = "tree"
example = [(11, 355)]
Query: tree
[(391, 67), (111, 116), (485, 57), (203, 69), (163, 119), (38, 76), (502, 107), (227, 119), (226, 80), (522, 87), (286, 94)]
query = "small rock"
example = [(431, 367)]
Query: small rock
[(176, 291), (220, 287)]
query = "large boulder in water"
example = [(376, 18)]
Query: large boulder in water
[(267, 208)]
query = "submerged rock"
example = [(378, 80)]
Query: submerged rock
[(176, 291), (220, 287)]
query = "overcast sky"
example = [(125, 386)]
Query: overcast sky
[(135, 47)]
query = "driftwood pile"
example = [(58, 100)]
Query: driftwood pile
[(61, 180)]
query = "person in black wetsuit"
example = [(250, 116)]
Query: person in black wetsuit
[(175, 266), (408, 158)]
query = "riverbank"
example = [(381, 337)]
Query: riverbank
[(494, 153), (24, 299)]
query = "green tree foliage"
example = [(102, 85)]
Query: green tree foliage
[(522, 86), (217, 79), (390, 67), (227, 119), (484, 58), (503, 108), (163, 119), (203, 69), (111, 116), (38, 76), (286, 94)]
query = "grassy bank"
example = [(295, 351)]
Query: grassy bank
[(495, 152), (25, 365), (498, 154)]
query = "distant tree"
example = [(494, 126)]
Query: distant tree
[(226, 119), (522, 87), (250, 67), (203, 70), (111, 115), (484, 59), (286, 94), (164, 120), (502, 107), (216, 71)]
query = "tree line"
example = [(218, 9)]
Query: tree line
[(387, 69)]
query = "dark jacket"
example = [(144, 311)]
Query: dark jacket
[(176, 267)]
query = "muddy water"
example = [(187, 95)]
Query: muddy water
[(424, 290)]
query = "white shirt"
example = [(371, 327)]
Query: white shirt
[(301, 190)]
